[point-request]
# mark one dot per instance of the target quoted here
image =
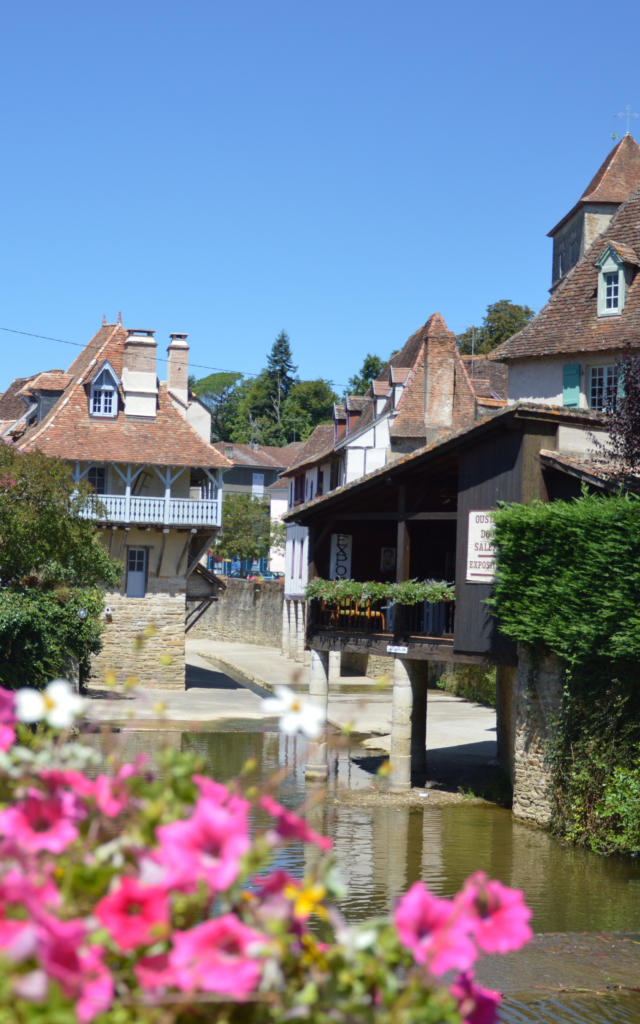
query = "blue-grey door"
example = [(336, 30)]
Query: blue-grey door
[(136, 572)]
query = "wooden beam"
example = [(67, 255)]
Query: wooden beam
[(395, 516)]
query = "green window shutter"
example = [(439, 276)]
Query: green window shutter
[(571, 385), (620, 390)]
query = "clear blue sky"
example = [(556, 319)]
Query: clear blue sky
[(340, 170)]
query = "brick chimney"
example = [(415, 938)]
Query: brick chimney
[(178, 367), (439, 356), (139, 380)]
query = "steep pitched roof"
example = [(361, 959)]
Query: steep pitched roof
[(49, 380), (318, 446), (12, 405), (69, 432), (569, 323), (614, 181)]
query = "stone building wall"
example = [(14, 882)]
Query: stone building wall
[(246, 611), (159, 660), (536, 703)]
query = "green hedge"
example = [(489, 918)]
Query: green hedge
[(568, 581)]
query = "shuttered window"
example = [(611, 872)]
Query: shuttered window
[(571, 385)]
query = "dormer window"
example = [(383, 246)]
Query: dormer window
[(103, 399), (611, 282)]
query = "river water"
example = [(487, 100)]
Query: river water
[(586, 909)]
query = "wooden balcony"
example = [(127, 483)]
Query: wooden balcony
[(154, 511)]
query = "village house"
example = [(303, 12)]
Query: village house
[(255, 471), (426, 390), (143, 446)]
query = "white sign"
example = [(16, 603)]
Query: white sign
[(481, 554), (396, 649), (340, 561)]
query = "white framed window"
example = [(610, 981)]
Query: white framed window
[(103, 400), (603, 387), (611, 283)]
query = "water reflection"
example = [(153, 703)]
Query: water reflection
[(381, 850)]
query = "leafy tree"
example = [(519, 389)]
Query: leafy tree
[(624, 416), (218, 392), (52, 567), (310, 402), (372, 367), (502, 320), (246, 527)]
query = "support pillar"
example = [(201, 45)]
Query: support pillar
[(408, 727), (334, 666), (316, 767)]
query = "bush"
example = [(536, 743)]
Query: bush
[(472, 682)]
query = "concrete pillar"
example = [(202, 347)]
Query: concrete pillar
[(284, 636), (408, 726), (334, 666), (401, 707), (316, 767)]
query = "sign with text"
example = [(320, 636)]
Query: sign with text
[(481, 554), (340, 561)]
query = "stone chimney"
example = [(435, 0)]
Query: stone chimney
[(439, 373), (139, 380), (178, 367)]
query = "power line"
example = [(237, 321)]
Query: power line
[(161, 359)]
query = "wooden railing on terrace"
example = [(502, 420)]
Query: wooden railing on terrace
[(151, 510)]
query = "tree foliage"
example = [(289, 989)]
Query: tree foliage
[(624, 416), (371, 368), (502, 320), (217, 393), (246, 527), (52, 567), (272, 408)]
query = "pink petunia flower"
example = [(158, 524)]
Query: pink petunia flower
[(291, 826), (40, 823), (434, 932), (134, 914), (7, 719), (499, 916), (476, 1005), (208, 845), (217, 956), (154, 972)]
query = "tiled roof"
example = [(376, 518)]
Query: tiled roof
[(410, 418), (485, 369), (69, 432), (381, 388), (318, 446), (12, 406), (264, 456), (441, 445), (616, 178), (626, 253), (356, 403), (602, 472), (569, 323), (399, 374), (49, 380)]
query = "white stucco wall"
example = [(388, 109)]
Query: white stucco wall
[(540, 380), (296, 557)]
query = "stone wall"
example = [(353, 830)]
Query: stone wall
[(246, 611), (536, 703), (159, 660)]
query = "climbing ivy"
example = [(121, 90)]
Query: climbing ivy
[(568, 581)]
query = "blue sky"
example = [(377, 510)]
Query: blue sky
[(339, 170)]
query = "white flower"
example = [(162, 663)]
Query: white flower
[(295, 715), (58, 704)]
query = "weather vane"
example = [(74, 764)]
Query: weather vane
[(628, 113)]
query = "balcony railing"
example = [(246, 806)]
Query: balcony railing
[(428, 618), (154, 511)]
